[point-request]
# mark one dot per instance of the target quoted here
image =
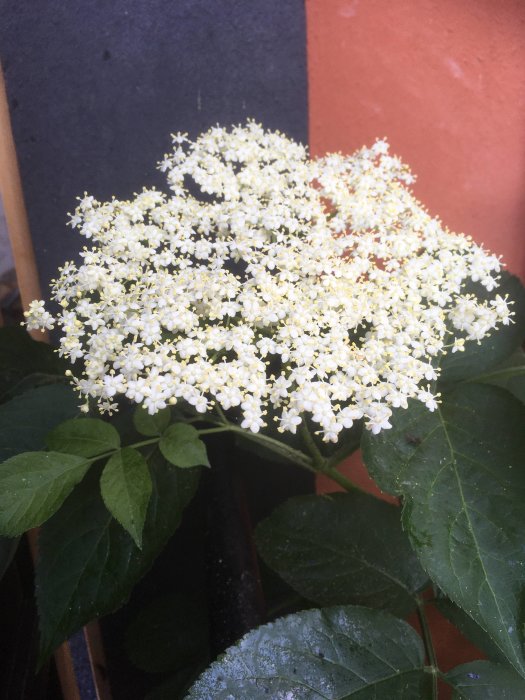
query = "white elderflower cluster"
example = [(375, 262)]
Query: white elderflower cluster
[(270, 282)]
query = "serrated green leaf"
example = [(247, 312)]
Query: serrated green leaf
[(461, 473), (126, 490), (88, 564), (320, 655), (151, 425), (33, 485), (343, 548), (484, 680), (169, 634), (500, 344), (181, 446), (86, 437), (27, 419)]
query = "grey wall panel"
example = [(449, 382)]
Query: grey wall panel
[(96, 87)]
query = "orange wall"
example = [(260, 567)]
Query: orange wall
[(444, 80)]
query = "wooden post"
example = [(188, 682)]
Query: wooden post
[(29, 286), (14, 208)]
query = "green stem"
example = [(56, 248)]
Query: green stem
[(96, 458), (276, 446), (318, 459), (221, 414), (341, 479), (322, 464), (152, 441), (429, 646), (208, 431), (343, 452)]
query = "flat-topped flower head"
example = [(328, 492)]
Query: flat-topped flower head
[(270, 282)]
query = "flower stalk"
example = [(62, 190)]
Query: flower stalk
[(432, 668)]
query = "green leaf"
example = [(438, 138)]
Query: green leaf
[(126, 490), (342, 548), (480, 357), (86, 437), (509, 375), (33, 485), (470, 629), (170, 634), (145, 424), (461, 472), (88, 564), (484, 680), (27, 419), (319, 655), (180, 444)]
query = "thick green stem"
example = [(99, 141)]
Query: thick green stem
[(429, 646), (345, 451), (221, 414), (341, 479), (143, 443), (322, 464), (279, 448), (209, 431), (318, 459), (316, 463)]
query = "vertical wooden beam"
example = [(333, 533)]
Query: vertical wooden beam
[(29, 287), (14, 208)]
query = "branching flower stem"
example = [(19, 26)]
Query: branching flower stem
[(429, 646), (315, 462), (322, 464)]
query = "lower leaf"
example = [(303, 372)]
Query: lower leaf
[(125, 486), (343, 548), (88, 565), (325, 654), (181, 446), (484, 680), (27, 419), (33, 485), (461, 473)]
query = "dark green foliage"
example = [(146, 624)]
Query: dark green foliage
[(320, 655), (461, 473), (343, 548), (89, 564)]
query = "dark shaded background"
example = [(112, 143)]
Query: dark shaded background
[(96, 87)]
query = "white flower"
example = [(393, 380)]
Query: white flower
[(275, 284), (38, 318), (428, 399), (289, 421)]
